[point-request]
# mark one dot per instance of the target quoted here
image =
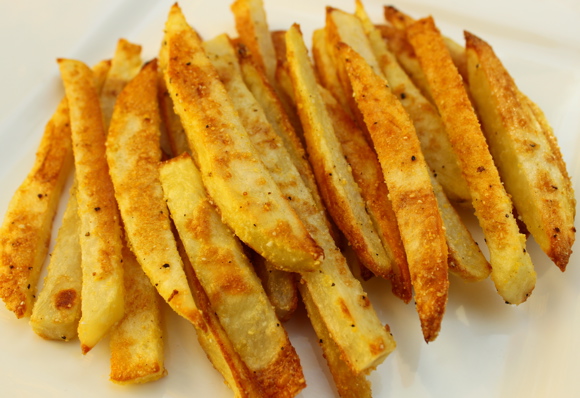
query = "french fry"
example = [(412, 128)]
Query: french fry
[(133, 154), (252, 27), (512, 269), (57, 311), (124, 66), (367, 173), (223, 56), (343, 305), (235, 177), (465, 259), (407, 176), (326, 68), (173, 127), (428, 125), (266, 96), (229, 280), (137, 340), (348, 382), (337, 186), (214, 340), (100, 232), (26, 229), (527, 165), (399, 45)]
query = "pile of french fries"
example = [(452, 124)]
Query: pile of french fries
[(229, 178)]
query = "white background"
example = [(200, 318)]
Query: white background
[(485, 349)]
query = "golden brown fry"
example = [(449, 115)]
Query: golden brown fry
[(411, 192), (465, 258), (100, 232), (234, 176), (133, 154), (229, 280), (367, 173), (512, 269), (252, 27), (25, 232), (215, 342), (124, 66), (26, 229), (326, 68), (337, 185), (343, 305), (527, 165), (428, 125), (223, 56), (57, 310), (137, 340), (349, 383)]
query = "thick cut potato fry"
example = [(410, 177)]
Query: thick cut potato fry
[(230, 282), (252, 27), (325, 66), (367, 173), (235, 177), (124, 66), (428, 125), (465, 258), (215, 342), (133, 154), (512, 269), (57, 311), (343, 305), (349, 383), (137, 341), (266, 96), (100, 233), (407, 176), (337, 185), (26, 229), (523, 155), (222, 54)]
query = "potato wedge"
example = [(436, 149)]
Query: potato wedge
[(428, 125), (133, 154), (523, 155), (137, 340), (367, 173), (100, 232), (124, 66), (512, 269), (343, 305), (407, 176), (230, 282), (234, 176), (333, 174), (57, 310)]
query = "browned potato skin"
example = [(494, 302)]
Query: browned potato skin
[(367, 173), (407, 177), (512, 269), (529, 167)]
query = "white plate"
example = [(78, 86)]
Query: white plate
[(485, 348)]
